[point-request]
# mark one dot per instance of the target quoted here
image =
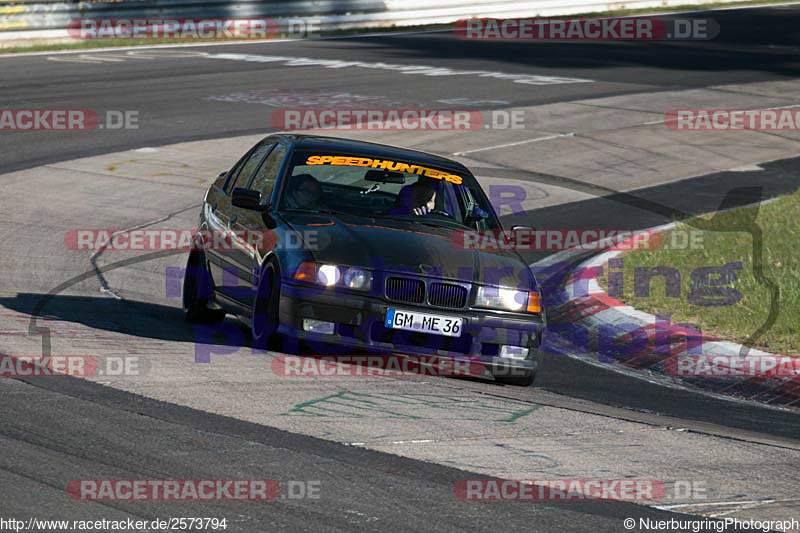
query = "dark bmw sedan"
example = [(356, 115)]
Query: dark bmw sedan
[(351, 244)]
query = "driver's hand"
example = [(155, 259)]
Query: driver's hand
[(423, 210)]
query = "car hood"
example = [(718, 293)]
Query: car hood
[(401, 247)]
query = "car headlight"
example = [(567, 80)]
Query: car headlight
[(508, 299), (330, 275), (356, 278)]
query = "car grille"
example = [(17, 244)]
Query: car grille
[(410, 290), (447, 295), (405, 290)]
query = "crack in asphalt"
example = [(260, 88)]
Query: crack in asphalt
[(105, 288)]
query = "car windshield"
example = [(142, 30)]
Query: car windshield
[(374, 187)]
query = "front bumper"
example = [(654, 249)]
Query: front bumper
[(359, 323)]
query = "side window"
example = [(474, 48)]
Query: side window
[(251, 165), (470, 200), (268, 173), (234, 172)]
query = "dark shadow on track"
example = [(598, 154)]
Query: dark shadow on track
[(136, 318), (757, 39), (564, 375), (652, 206), (160, 322)]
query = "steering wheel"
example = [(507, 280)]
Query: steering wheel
[(440, 212)]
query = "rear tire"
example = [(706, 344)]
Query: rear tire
[(197, 291)]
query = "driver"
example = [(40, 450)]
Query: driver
[(304, 192), (423, 197)]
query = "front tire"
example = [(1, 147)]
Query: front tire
[(519, 381), (264, 321), (197, 291), (530, 377)]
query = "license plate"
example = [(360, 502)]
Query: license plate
[(424, 323)]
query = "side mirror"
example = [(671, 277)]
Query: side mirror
[(223, 173), (248, 199)]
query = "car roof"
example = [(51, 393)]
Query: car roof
[(337, 144)]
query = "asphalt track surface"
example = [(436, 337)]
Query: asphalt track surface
[(56, 430)]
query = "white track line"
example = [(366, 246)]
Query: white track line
[(549, 137), (705, 504)]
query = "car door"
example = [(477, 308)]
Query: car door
[(245, 253), (230, 276), (217, 213)]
